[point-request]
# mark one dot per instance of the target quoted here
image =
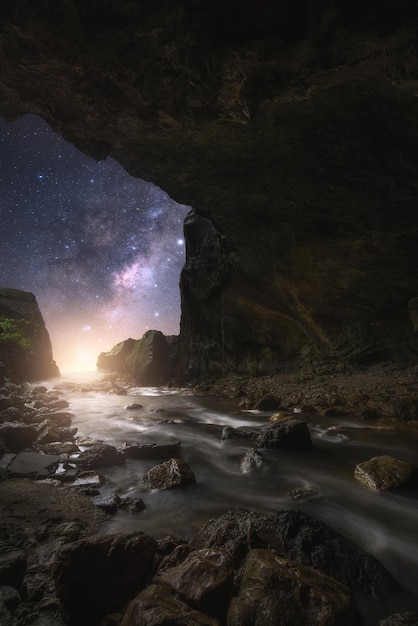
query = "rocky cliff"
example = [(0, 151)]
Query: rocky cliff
[(150, 360), (290, 127), (25, 347)]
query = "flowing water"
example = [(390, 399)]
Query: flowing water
[(384, 525)]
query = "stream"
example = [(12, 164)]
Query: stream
[(385, 525)]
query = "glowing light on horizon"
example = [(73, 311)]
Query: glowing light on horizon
[(101, 251)]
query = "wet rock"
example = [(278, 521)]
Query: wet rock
[(157, 450), (385, 473), (269, 402), (238, 531), (158, 606), (134, 406), (133, 504), (170, 475), (303, 493), (88, 480), (62, 418), (108, 502), (58, 404), (229, 433), (18, 437), (400, 619), (290, 433), (278, 416), (13, 564), (31, 464), (313, 543), (63, 448), (277, 591), (173, 552), (100, 455), (203, 579), (49, 433), (99, 575), (7, 402), (252, 461)]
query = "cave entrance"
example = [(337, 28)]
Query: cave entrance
[(101, 251)]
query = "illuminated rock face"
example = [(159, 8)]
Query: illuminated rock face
[(145, 361), (294, 131), (25, 347)]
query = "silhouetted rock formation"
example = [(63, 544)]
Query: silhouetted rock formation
[(25, 347), (146, 361)]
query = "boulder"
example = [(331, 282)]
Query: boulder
[(238, 531), (33, 465), (133, 504), (99, 455), (385, 473), (158, 606), (203, 579), (291, 433), (229, 433), (108, 502), (89, 480), (252, 461), (48, 432), (99, 575), (61, 419), (313, 543), (18, 437), (170, 475), (275, 591), (25, 346)]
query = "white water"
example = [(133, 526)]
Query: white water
[(384, 525)]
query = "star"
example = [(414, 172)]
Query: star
[(88, 240)]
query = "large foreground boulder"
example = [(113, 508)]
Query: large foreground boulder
[(99, 575), (158, 606), (313, 543), (25, 346), (277, 591)]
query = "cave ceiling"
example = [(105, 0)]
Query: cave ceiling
[(292, 125)]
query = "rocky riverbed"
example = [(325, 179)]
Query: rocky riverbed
[(59, 563)]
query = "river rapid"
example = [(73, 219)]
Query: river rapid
[(319, 481)]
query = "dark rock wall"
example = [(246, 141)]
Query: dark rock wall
[(25, 347), (291, 125)]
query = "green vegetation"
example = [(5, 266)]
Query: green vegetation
[(15, 331)]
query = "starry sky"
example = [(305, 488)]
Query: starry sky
[(101, 251)]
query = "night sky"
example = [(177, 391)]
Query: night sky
[(101, 251)]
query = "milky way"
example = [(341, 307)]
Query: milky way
[(101, 251)]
